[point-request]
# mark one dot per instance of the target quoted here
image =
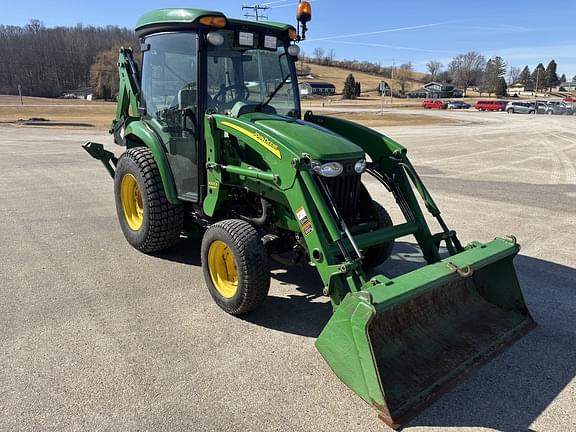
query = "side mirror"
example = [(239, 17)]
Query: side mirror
[(304, 16)]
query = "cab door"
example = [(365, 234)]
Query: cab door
[(170, 90)]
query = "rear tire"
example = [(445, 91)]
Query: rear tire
[(377, 255), (510, 111), (148, 220), (235, 266)]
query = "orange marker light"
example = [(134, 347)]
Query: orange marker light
[(213, 21), (304, 11)]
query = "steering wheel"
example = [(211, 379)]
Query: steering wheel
[(240, 93)]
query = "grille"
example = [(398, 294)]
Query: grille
[(345, 191)]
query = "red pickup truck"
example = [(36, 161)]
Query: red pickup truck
[(490, 105), (434, 103)]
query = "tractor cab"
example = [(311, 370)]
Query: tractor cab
[(199, 62)]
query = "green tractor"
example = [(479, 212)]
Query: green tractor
[(216, 144)]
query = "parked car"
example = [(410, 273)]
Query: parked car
[(434, 103), (521, 108), (490, 105), (555, 108), (569, 99), (457, 105), (541, 107)]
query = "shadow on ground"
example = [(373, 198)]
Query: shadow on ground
[(513, 390), (509, 393)]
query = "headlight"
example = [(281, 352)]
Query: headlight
[(328, 169), (294, 50), (360, 166), (215, 38)]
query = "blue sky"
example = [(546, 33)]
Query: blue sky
[(523, 32)]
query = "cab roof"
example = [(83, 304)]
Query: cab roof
[(166, 19)]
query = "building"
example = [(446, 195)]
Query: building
[(516, 88), (317, 88), (568, 86), (435, 90), (80, 93)]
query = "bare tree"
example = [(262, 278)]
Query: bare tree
[(404, 74), (330, 57), (104, 72), (48, 61), (466, 69), (318, 54), (434, 67), (514, 75)]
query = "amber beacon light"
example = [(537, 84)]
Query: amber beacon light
[(303, 15)]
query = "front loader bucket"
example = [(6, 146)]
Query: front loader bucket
[(399, 343)]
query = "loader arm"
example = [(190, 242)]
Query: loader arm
[(397, 342)]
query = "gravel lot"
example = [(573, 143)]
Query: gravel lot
[(96, 336)]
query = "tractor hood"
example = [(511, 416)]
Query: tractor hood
[(302, 137)]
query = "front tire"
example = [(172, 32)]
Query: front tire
[(235, 266), (148, 220), (376, 255)]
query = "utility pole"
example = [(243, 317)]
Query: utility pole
[(392, 82), (256, 11)]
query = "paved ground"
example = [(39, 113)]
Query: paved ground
[(96, 336)]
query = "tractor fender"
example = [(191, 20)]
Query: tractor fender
[(137, 133)]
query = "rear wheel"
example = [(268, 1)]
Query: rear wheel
[(510, 110), (235, 266), (376, 255), (149, 222)]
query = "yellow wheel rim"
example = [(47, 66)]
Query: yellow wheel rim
[(131, 199), (223, 269)]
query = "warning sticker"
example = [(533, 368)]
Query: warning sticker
[(304, 221)]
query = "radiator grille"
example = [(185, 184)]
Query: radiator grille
[(345, 190)]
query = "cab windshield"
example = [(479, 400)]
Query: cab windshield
[(250, 78)]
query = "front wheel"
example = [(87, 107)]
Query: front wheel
[(510, 111), (148, 220), (235, 266), (376, 255)]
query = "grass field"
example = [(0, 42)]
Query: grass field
[(98, 115), (69, 112), (337, 76)]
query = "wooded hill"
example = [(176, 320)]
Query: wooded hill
[(48, 61)]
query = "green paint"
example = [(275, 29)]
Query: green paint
[(143, 134), (394, 342), (179, 17)]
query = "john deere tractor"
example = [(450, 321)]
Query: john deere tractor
[(216, 144)]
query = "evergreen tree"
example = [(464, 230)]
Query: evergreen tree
[(552, 79), (488, 77), (501, 87), (574, 78), (349, 91), (525, 78), (539, 77), (495, 69), (500, 66), (358, 89), (563, 78)]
